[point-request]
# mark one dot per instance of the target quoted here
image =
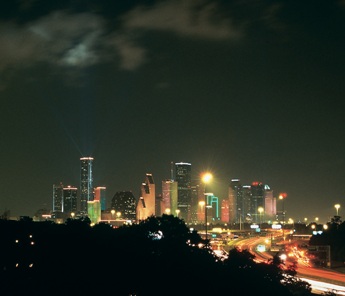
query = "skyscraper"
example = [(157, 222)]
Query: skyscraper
[(146, 205), (94, 211), (236, 206), (100, 195), (58, 198), (169, 197), (183, 177), (86, 183), (270, 204), (257, 200), (70, 199), (124, 204)]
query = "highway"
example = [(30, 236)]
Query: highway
[(321, 279)]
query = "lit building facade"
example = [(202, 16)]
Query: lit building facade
[(123, 205), (94, 211), (169, 197), (70, 199), (86, 183), (100, 195), (197, 200), (183, 177), (235, 197), (224, 211), (246, 210), (257, 200), (146, 205), (58, 198), (270, 204)]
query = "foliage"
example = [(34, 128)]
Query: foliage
[(130, 260), (333, 236)]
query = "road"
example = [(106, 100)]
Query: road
[(321, 279)]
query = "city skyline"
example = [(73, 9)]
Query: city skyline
[(250, 90)]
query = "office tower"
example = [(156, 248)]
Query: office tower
[(257, 200), (94, 211), (70, 199), (235, 197), (58, 198), (169, 197), (100, 195), (270, 204), (196, 205), (224, 211), (123, 205), (86, 183), (146, 204), (183, 177), (198, 196), (159, 205), (246, 203)]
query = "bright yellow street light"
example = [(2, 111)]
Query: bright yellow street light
[(177, 212), (207, 177), (337, 207), (118, 215)]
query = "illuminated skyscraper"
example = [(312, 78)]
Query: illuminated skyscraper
[(146, 205), (197, 196), (58, 198), (100, 195), (169, 197), (94, 211), (183, 177), (270, 204), (124, 204), (257, 200), (70, 199), (225, 211), (235, 197), (86, 183)]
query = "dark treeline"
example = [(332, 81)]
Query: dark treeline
[(159, 256), (333, 236)]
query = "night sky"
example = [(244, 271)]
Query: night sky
[(248, 89)]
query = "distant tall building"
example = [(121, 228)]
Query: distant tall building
[(70, 196), (124, 204), (169, 197), (257, 200), (246, 204), (86, 183), (94, 211), (270, 204), (224, 211), (235, 197), (183, 177), (196, 207), (146, 205), (58, 198), (100, 195)]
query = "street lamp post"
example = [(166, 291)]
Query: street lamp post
[(337, 206), (206, 178), (282, 196)]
